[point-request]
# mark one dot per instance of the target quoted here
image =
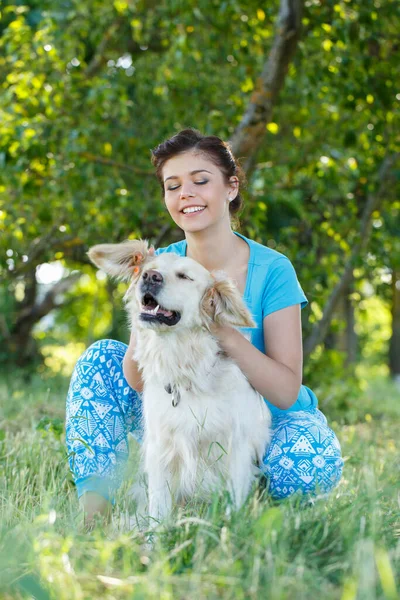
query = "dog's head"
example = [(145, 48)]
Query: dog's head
[(170, 291)]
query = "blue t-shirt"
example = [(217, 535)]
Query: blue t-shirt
[(271, 285)]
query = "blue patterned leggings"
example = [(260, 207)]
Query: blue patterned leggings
[(303, 456)]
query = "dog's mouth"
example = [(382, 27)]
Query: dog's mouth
[(150, 310)]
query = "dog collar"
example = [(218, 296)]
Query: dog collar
[(176, 395), (174, 390)]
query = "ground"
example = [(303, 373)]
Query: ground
[(345, 546)]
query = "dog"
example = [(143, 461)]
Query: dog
[(205, 426)]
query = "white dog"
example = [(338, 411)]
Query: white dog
[(204, 424)]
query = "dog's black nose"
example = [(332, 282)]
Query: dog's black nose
[(152, 276)]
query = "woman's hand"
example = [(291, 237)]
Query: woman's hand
[(277, 374), (225, 335)]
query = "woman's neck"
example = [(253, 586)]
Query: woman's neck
[(213, 250)]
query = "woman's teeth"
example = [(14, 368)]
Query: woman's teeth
[(193, 209)]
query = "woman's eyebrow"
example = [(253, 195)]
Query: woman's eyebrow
[(191, 173)]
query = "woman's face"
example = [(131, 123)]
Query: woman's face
[(196, 193)]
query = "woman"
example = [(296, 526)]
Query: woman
[(200, 181)]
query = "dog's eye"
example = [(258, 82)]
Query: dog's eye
[(183, 276)]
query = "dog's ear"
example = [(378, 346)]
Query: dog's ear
[(223, 304), (124, 261)]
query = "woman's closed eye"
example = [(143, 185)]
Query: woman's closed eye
[(175, 187)]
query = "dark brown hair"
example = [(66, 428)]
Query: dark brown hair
[(216, 150)]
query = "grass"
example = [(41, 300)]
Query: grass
[(345, 546)]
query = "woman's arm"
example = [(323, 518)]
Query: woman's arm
[(130, 367), (276, 375)]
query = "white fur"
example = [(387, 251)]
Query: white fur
[(221, 425)]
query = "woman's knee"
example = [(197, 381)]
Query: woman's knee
[(304, 457), (321, 480), (103, 351), (99, 372)]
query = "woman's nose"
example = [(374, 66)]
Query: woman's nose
[(187, 190)]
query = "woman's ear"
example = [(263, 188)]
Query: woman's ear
[(223, 303), (124, 261), (234, 187)]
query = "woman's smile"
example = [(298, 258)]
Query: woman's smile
[(190, 211)]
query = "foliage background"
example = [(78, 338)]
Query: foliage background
[(85, 99)]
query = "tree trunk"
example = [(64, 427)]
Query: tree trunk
[(394, 345), (346, 339), (119, 329), (351, 336), (22, 348), (250, 132)]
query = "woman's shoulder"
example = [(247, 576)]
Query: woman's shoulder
[(274, 279), (177, 248), (262, 255)]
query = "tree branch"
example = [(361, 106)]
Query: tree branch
[(32, 314), (4, 330), (251, 130), (374, 201), (99, 56), (42, 245), (131, 46), (112, 163)]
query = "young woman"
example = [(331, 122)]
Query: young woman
[(200, 182)]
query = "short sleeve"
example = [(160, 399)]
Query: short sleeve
[(282, 288), (159, 251), (176, 248)]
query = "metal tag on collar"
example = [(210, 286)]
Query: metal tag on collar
[(176, 397)]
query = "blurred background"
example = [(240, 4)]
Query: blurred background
[(310, 102)]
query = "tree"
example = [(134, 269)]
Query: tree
[(84, 100)]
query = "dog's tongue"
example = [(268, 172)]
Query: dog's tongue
[(158, 310), (163, 311)]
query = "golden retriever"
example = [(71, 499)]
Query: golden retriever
[(205, 426)]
